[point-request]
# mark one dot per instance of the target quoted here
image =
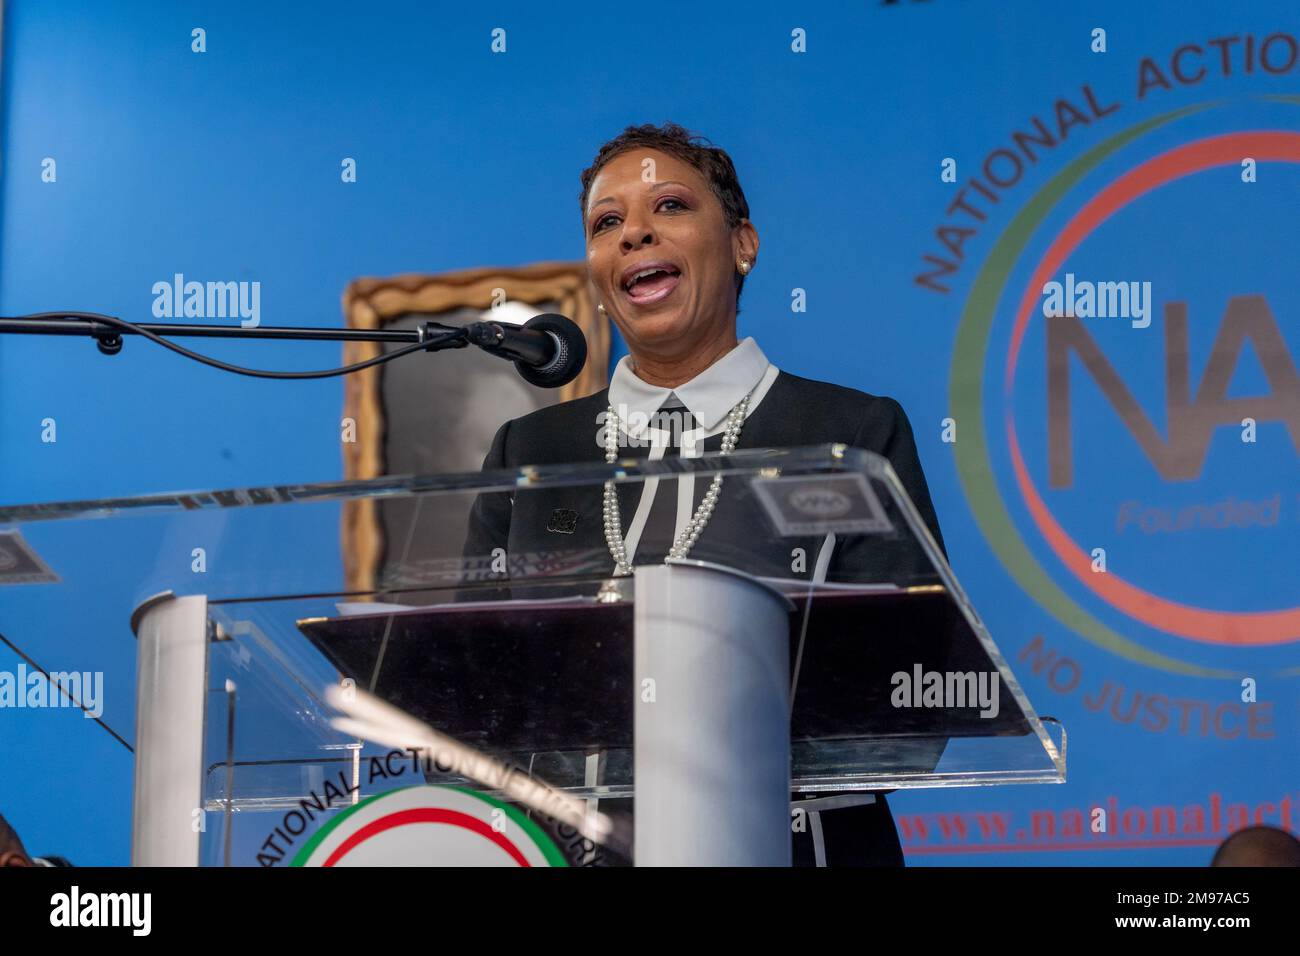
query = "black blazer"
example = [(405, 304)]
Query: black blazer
[(796, 411)]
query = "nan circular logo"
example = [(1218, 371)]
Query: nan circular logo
[(1134, 458)]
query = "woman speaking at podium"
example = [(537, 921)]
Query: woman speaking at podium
[(669, 244)]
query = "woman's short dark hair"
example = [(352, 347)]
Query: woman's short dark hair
[(712, 162)]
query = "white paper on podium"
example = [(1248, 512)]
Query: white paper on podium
[(785, 585), (358, 608)]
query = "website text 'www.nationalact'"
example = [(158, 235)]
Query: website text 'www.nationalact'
[(1106, 825)]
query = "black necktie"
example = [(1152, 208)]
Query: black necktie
[(661, 524)]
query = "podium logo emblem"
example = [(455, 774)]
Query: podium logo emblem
[(819, 503), (802, 505), (430, 826), (19, 564)]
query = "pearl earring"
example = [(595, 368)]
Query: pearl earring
[(600, 307), (744, 267)]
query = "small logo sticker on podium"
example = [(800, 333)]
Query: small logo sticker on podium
[(806, 505), (19, 564)]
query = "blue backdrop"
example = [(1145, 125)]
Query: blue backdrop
[(225, 165)]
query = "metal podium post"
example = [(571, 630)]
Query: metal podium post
[(712, 718), (171, 690)]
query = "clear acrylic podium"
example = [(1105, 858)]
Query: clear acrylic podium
[(815, 641)]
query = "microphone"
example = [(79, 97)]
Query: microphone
[(548, 350)]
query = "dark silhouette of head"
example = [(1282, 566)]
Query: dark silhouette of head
[(1258, 846), (12, 852)]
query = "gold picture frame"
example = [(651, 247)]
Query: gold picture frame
[(372, 303)]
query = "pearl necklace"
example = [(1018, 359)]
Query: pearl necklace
[(686, 540)]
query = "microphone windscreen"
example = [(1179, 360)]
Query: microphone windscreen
[(570, 353)]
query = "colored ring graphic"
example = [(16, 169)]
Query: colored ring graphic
[(966, 399), (1217, 627)]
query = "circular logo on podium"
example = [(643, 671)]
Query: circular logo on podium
[(820, 502), (430, 826)]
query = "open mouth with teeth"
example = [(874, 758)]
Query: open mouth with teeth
[(652, 284)]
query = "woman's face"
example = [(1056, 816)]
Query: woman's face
[(661, 255)]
